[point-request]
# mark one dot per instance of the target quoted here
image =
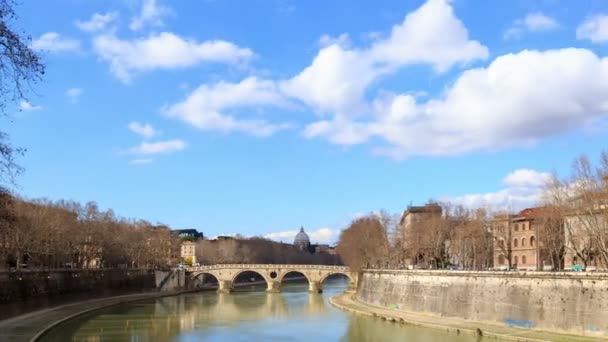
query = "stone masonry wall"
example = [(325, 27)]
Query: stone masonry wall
[(566, 302), (15, 286)]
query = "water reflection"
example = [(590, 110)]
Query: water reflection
[(293, 315)]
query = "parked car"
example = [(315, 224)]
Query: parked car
[(577, 268)]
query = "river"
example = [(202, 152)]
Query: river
[(244, 315)]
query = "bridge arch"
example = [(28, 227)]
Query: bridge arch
[(281, 277), (215, 280), (249, 270), (328, 274)]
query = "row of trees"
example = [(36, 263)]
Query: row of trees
[(257, 250), (67, 234), (580, 201), (570, 221), (459, 236)]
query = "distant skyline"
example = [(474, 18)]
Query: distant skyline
[(262, 116)]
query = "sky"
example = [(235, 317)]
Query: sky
[(258, 117)]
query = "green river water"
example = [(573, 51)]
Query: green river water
[(245, 315)]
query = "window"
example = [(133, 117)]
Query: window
[(515, 260), (501, 244), (532, 241), (523, 242), (514, 242), (501, 259), (523, 259), (516, 226)]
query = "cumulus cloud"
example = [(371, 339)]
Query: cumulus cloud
[(28, 107), (151, 14), (54, 42), (501, 105), (98, 22), (143, 129), (163, 51), (321, 235), (338, 77), (522, 189), (74, 94), (532, 22), (594, 28), (526, 178), (159, 147), (206, 107)]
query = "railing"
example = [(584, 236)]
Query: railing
[(258, 266)]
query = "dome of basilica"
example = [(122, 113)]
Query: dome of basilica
[(301, 238)]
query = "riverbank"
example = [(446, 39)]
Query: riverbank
[(31, 326), (347, 302)]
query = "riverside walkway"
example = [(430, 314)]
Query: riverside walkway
[(455, 325), (29, 327)]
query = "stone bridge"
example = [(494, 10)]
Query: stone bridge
[(272, 274)]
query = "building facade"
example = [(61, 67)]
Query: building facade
[(581, 236), (410, 219), (188, 252), (516, 240)]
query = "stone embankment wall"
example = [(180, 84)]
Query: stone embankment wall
[(574, 303), (15, 286)]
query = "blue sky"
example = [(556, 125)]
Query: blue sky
[(258, 117)]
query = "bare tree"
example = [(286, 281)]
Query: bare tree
[(364, 244), (20, 66)]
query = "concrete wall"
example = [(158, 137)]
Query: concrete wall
[(566, 302), (15, 286)]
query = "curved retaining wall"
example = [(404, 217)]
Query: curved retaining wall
[(575, 303), (15, 286)]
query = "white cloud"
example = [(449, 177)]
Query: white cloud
[(159, 147), (526, 178), (205, 108), (532, 22), (523, 189), (321, 235), (144, 129), (141, 161), (338, 77), (594, 28), (163, 51), (151, 14), (537, 22), (341, 40), (501, 105), (53, 42), (74, 94), (28, 107), (98, 22)]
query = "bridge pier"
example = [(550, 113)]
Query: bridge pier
[(314, 287), (225, 286), (273, 286)]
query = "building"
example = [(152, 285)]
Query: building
[(516, 237), (413, 216), (302, 241), (581, 231), (188, 252), (524, 236), (188, 237), (322, 248), (586, 229)]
